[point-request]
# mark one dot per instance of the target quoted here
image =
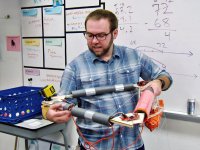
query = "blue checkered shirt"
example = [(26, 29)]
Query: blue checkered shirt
[(87, 71)]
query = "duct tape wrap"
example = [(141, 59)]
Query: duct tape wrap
[(87, 114)]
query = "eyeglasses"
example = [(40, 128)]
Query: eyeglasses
[(99, 36)]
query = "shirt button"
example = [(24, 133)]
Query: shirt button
[(119, 106), (127, 71), (90, 79), (121, 136)]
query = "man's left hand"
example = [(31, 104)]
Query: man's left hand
[(155, 84)]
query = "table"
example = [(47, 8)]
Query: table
[(34, 129)]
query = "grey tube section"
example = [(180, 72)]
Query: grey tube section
[(103, 90), (87, 114)]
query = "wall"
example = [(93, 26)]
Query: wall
[(10, 62), (173, 135)]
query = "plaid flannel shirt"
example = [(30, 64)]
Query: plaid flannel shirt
[(87, 71)]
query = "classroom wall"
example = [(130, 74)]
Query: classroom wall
[(172, 134), (10, 62)]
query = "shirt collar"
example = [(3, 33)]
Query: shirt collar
[(116, 54)]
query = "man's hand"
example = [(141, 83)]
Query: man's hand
[(56, 114), (155, 84)]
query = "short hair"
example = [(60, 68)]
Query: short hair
[(106, 14)]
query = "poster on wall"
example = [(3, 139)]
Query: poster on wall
[(31, 19), (42, 77), (32, 52), (53, 20), (75, 18), (54, 51), (13, 43)]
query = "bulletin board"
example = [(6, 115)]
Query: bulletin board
[(164, 30)]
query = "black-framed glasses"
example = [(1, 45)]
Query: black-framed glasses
[(99, 36)]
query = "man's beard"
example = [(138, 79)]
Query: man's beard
[(105, 50)]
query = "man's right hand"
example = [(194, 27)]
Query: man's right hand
[(57, 114)]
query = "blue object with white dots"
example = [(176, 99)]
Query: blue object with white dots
[(20, 103)]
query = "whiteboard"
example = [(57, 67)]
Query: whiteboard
[(42, 77), (79, 3), (73, 50), (75, 18), (33, 52), (54, 51), (31, 24), (53, 22), (166, 30), (174, 47)]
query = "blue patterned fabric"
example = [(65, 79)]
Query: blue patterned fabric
[(87, 71)]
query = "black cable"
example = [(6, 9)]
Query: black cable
[(50, 146)]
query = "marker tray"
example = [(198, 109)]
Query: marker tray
[(20, 103)]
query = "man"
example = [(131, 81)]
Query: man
[(107, 64)]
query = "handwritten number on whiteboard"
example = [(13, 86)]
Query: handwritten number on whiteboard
[(166, 22), (165, 8), (157, 23), (130, 11), (121, 7), (167, 34), (116, 9), (157, 8), (161, 45)]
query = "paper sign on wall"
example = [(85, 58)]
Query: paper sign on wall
[(13, 43), (29, 12), (32, 42), (53, 10)]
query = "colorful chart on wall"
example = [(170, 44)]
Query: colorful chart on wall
[(33, 52), (75, 18), (42, 77), (53, 20), (54, 51), (31, 22)]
